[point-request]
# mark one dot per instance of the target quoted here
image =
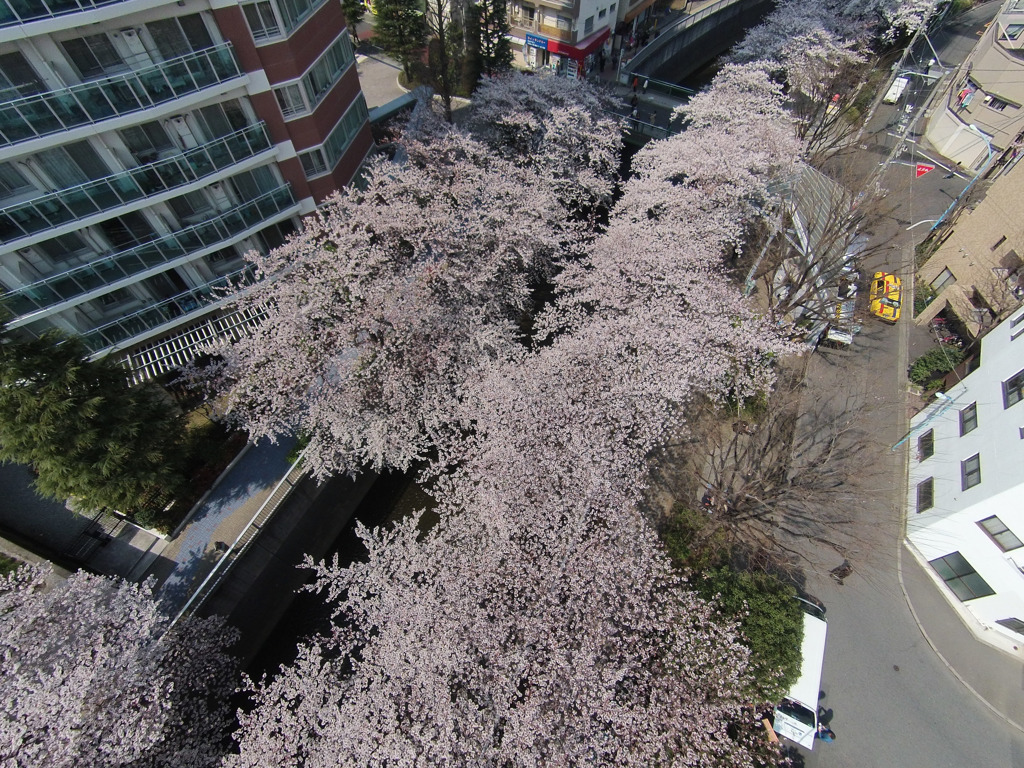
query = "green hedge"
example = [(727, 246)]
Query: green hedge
[(927, 371)]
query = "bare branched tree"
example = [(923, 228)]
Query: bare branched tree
[(784, 476)]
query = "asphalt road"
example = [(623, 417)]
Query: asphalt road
[(894, 702)]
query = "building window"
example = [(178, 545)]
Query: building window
[(970, 471), (968, 419), (12, 183), (1012, 31), (294, 12), (344, 132), (1000, 105), (327, 71), (1013, 389), (588, 25), (602, 13), (17, 78), (1014, 625), (1000, 534), (563, 22), (961, 577), (313, 163), (179, 36), (289, 98), (115, 297), (925, 494), (611, 8), (926, 445), (944, 280), (93, 56), (262, 20)]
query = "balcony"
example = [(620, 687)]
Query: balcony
[(173, 310), (49, 294), (23, 11), (94, 197), (522, 25), (44, 114)]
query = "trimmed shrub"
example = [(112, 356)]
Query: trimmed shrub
[(929, 368)]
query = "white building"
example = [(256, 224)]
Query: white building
[(965, 516)]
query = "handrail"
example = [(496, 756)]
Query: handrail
[(683, 22), (93, 101), (104, 194), (10, 15), (164, 311), (44, 293), (245, 538)]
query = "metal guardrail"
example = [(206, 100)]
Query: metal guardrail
[(244, 540), (82, 201), (14, 12), (171, 309), (54, 291), (94, 101), (634, 66)]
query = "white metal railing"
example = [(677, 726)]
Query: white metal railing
[(243, 541)]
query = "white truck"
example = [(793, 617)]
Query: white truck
[(899, 85), (796, 717)]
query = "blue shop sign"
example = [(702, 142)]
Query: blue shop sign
[(537, 42)]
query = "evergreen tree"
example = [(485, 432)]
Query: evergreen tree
[(354, 11), (445, 51), (85, 431), (472, 64), (495, 48), (401, 31)]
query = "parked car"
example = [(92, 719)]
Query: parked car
[(886, 294)]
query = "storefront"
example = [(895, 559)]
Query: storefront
[(562, 58)]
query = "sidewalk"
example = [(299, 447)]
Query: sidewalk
[(994, 676), (181, 564)]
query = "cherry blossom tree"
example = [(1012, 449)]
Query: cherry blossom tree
[(562, 128), (480, 645), (393, 292), (92, 677), (537, 620)]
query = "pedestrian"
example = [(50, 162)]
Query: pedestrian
[(645, 84), (634, 102), (824, 733), (636, 82)]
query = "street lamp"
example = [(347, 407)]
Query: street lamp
[(978, 175)]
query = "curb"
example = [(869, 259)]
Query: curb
[(202, 499), (938, 653)]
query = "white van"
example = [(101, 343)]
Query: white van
[(899, 85), (796, 717)]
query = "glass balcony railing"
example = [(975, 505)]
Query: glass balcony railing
[(167, 311), (23, 11), (47, 113), (75, 203), (107, 270)]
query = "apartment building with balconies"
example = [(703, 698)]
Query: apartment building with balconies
[(146, 145)]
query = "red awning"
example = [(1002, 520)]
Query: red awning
[(581, 51)]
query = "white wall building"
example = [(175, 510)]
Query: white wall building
[(965, 510)]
